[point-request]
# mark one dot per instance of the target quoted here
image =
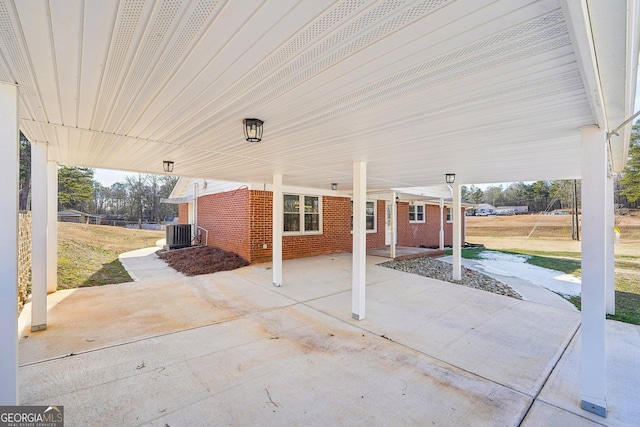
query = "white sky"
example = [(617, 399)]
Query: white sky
[(108, 177)]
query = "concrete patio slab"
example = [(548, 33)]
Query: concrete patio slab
[(319, 371), (623, 372), (305, 281), (88, 318), (229, 348), (511, 342), (541, 414)]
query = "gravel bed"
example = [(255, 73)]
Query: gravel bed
[(429, 267)]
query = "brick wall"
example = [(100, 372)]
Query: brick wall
[(427, 233), (260, 226), (241, 221), (336, 230), (183, 213), (226, 217), (24, 258)]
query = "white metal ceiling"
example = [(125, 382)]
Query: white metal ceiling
[(491, 90)]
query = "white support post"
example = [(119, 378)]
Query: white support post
[(39, 236), (457, 232), (394, 225), (441, 240), (52, 227), (278, 225), (358, 279), (594, 231), (609, 247), (9, 169)]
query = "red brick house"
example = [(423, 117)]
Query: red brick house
[(238, 217)]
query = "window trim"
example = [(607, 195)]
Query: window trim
[(301, 213), (448, 216), (424, 214)]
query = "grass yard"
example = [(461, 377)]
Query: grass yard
[(554, 249), (88, 254)]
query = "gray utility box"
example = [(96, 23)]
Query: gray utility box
[(178, 236)]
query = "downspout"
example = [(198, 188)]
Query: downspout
[(195, 210)]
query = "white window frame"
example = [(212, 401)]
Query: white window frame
[(375, 216), (415, 213), (449, 214), (301, 204)]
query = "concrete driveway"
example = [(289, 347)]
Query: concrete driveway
[(230, 349)]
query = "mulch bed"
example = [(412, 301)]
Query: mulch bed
[(202, 260)]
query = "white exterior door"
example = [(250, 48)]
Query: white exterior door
[(387, 224)]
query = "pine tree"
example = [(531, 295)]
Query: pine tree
[(631, 177)]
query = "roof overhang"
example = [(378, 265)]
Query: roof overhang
[(493, 91), (606, 47), (177, 200)]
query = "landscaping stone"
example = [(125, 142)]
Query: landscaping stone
[(435, 269)]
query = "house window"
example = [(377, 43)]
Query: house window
[(370, 219), (449, 215), (416, 213), (302, 214)]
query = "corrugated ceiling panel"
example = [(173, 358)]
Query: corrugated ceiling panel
[(180, 44), (414, 87), (97, 28), (66, 27)]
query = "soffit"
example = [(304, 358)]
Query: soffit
[(489, 90)]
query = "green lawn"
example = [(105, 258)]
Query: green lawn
[(88, 254)]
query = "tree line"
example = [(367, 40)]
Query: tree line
[(541, 196), (136, 199)]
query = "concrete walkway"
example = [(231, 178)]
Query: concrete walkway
[(230, 349), (529, 291), (144, 264)]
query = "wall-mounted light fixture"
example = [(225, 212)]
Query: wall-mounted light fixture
[(167, 165), (450, 178), (334, 186), (253, 129)]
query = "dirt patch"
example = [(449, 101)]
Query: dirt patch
[(202, 260)]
